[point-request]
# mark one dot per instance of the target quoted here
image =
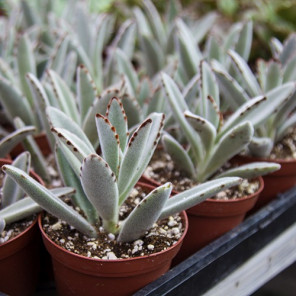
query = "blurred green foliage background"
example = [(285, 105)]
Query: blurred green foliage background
[(272, 18)]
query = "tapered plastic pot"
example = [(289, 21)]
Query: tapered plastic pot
[(213, 218), (19, 263), (20, 258), (276, 182), (78, 275), (149, 181)]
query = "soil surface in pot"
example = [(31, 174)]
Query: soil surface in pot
[(162, 169), (14, 229), (161, 236), (286, 148)]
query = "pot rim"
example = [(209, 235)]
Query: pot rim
[(185, 223), (34, 222), (277, 160)]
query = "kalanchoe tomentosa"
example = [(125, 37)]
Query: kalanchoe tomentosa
[(107, 180), (212, 143), (268, 101)]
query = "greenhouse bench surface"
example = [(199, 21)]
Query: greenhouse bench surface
[(242, 260)]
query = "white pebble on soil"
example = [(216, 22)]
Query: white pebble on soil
[(150, 247), (138, 242), (172, 223), (111, 236), (175, 231), (56, 226), (221, 195), (134, 192), (111, 256)]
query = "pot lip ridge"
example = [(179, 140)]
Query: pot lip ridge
[(180, 240), (277, 160), (24, 232)]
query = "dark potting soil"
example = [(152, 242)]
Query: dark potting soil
[(14, 229), (161, 236), (286, 148), (162, 169)]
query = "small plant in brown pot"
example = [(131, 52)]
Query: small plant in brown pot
[(274, 135), (18, 102), (117, 229), (211, 145), (19, 239)]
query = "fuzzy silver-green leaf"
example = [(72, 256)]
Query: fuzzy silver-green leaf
[(10, 192), (49, 201), (144, 214), (100, 186), (197, 194)]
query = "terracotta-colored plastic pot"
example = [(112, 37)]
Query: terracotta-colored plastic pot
[(149, 181), (20, 263), (213, 218), (42, 142), (274, 183), (78, 275), (20, 258)]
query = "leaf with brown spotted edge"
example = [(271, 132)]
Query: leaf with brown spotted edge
[(99, 106), (145, 214), (109, 142), (73, 142), (229, 145), (100, 186), (86, 91), (58, 119), (131, 158), (117, 116), (257, 110), (64, 96), (210, 94), (41, 101)]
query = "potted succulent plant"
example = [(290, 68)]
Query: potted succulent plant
[(19, 254), (107, 182), (20, 240), (49, 53), (273, 136), (211, 145), (13, 69)]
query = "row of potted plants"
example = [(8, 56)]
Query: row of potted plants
[(107, 107)]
